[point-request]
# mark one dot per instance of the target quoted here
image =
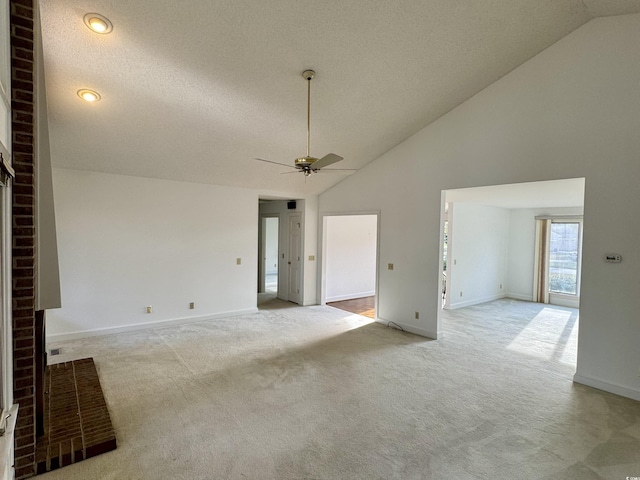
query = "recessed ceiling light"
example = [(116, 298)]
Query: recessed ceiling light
[(98, 23), (89, 95)]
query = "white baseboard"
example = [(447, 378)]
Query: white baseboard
[(475, 301), (411, 329), (349, 296), (59, 337), (564, 300), (519, 296), (607, 387)]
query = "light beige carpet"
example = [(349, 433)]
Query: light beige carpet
[(317, 393)]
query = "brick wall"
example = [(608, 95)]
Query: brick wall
[(23, 148)]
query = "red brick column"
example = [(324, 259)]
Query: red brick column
[(23, 215)]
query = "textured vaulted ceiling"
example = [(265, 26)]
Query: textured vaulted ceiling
[(195, 90)]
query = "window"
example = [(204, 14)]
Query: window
[(558, 260), (564, 254)]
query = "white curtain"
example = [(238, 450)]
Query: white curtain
[(541, 272)]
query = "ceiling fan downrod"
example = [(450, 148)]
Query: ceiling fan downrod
[(308, 76)]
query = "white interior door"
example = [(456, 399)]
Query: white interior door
[(294, 254)]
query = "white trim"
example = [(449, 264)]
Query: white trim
[(6, 333), (560, 218), (608, 387), (350, 296), (476, 301), (444, 218), (142, 326), (410, 328), (6, 339), (6, 444), (322, 252), (519, 296), (562, 300)]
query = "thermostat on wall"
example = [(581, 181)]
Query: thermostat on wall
[(612, 258)]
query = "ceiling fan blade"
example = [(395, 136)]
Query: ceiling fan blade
[(327, 160), (286, 173), (275, 163), (339, 169), (343, 171)]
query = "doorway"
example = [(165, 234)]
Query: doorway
[(350, 263), (280, 269), (558, 260), (492, 239), (268, 253), (270, 226)]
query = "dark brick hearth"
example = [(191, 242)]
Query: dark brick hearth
[(77, 422)]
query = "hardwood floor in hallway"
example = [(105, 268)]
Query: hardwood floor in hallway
[(365, 306)]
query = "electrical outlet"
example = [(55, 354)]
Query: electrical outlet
[(55, 351), (238, 261), (460, 293), (192, 305), (149, 309), (500, 286), (417, 315), (312, 258), (390, 266)]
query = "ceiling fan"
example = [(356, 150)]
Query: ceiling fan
[(309, 164)]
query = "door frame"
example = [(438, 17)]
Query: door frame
[(322, 234), (565, 299)]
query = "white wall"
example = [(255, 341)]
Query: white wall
[(522, 232), (478, 250), (271, 245), (572, 111), (350, 256), (127, 242), (48, 277), (310, 250)]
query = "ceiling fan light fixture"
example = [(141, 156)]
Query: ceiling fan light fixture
[(304, 161), (90, 96), (308, 164), (98, 23)]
